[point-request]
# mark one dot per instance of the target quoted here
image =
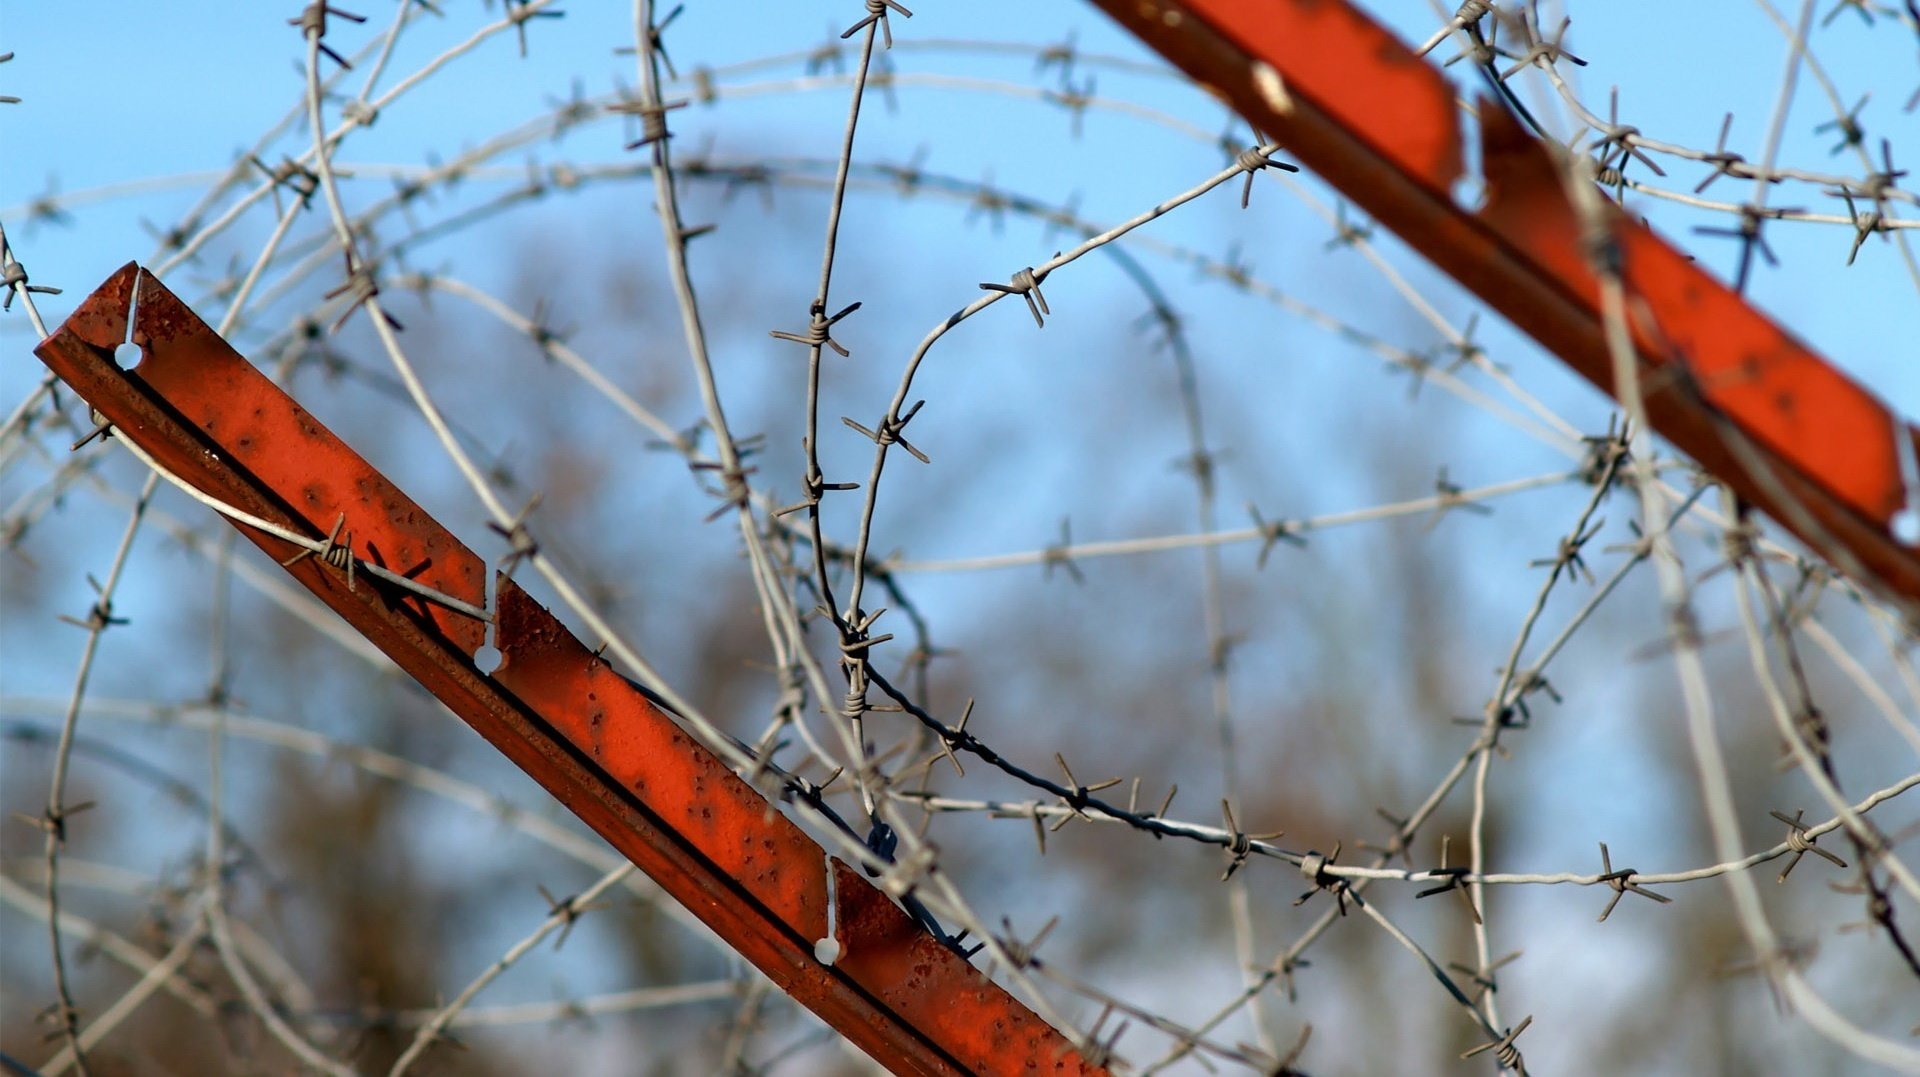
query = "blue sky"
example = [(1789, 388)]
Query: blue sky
[(146, 94)]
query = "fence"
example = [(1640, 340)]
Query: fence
[(1249, 663)]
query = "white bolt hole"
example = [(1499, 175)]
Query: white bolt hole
[(127, 356), (826, 951), (1906, 527), (487, 658)]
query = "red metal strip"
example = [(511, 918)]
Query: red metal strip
[(586, 734), (1754, 405)]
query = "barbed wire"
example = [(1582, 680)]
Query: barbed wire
[(811, 586)]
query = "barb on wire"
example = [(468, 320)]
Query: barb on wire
[(1026, 284), (312, 22), (877, 11)]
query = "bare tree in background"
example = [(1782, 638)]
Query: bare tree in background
[(1365, 607)]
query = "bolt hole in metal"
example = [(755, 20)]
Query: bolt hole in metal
[(1906, 527), (1905, 523), (487, 658), (1469, 188), (127, 354), (826, 949), (1469, 191)]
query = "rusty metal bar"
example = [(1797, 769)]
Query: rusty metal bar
[(586, 734), (1755, 406)]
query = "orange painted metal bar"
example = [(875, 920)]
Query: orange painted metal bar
[(589, 736), (1755, 406)]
